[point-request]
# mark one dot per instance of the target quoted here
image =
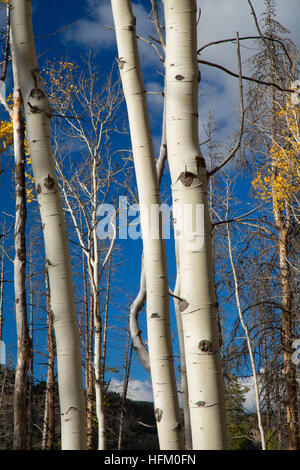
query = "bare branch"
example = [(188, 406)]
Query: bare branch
[(255, 19), (237, 218), (6, 233), (244, 38), (242, 114), (153, 45), (157, 24), (244, 77)]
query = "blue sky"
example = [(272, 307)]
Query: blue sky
[(82, 25)]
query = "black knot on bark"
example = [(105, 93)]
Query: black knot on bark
[(200, 161), (200, 403), (179, 77), (205, 345), (48, 182), (186, 178)]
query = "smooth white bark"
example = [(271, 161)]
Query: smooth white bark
[(189, 186), (37, 113), (158, 321)]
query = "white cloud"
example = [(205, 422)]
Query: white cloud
[(92, 31), (221, 20), (137, 390), (219, 92)]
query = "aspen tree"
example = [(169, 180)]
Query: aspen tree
[(37, 113), (189, 187), (23, 339), (158, 321)]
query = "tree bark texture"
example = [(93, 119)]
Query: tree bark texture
[(37, 113), (189, 187)]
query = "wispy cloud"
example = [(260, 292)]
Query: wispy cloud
[(137, 390)]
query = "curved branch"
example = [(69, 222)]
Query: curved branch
[(264, 38), (244, 77)]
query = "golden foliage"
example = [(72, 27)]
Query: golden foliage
[(61, 80), (6, 135), (282, 179), (6, 141)]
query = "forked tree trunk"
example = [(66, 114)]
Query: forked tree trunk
[(37, 113), (158, 321), (189, 185)]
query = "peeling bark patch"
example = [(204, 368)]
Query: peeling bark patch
[(121, 62), (51, 314), (21, 254), (179, 77), (205, 345), (186, 178), (48, 182), (183, 304), (158, 414), (154, 315)]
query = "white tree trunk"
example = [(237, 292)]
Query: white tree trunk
[(37, 113), (189, 184), (184, 383), (158, 321), (24, 342)]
